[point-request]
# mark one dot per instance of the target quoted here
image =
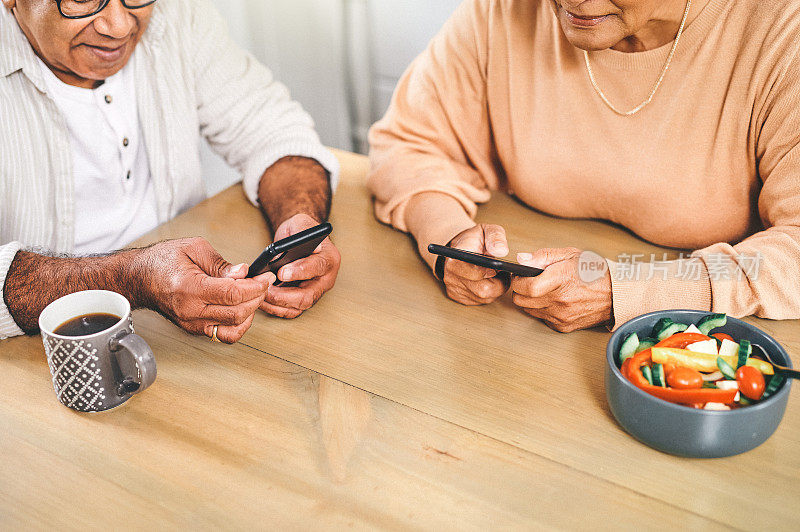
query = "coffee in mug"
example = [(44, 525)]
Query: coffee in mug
[(87, 324), (96, 360)]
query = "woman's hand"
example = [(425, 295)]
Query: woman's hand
[(474, 285), (559, 296), (193, 286), (315, 273)]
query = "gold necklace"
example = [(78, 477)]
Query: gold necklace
[(660, 78)]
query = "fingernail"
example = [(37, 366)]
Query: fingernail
[(235, 270), (271, 278), (286, 272), (500, 249)]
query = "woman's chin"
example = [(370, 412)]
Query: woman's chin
[(590, 40)]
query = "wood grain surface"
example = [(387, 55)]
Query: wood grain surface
[(385, 406)]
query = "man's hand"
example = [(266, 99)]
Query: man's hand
[(295, 194), (193, 286), (474, 285), (316, 273), (185, 280), (558, 296)]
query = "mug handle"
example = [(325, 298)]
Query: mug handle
[(137, 363)]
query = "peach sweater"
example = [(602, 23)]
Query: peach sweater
[(500, 100)]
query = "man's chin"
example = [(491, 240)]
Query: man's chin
[(97, 65), (96, 74)]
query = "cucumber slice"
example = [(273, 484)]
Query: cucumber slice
[(726, 369), (659, 378), (648, 374), (671, 329), (744, 401), (628, 347), (745, 349), (660, 325), (647, 343), (712, 321), (774, 383)]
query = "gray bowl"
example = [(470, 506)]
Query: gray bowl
[(683, 430)]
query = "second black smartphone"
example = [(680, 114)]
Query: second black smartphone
[(289, 249), (485, 261)]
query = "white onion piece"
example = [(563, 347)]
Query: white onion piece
[(717, 375)]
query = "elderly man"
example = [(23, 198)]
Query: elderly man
[(102, 103)]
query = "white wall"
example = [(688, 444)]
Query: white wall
[(340, 59)]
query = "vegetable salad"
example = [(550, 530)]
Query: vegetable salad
[(691, 366)]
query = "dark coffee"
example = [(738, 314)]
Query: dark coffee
[(87, 324)]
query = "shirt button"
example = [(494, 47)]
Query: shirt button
[(108, 98), (129, 175), (125, 142)]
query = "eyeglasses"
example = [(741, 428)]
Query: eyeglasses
[(87, 8)]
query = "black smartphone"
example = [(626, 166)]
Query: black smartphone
[(289, 249), (485, 261)]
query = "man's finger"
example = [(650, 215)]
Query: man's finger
[(315, 265), (232, 334), (207, 258), (230, 315), (495, 240), (267, 278), (236, 272), (300, 298), (223, 291), (280, 312)]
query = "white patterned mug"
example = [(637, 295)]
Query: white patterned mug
[(97, 371)]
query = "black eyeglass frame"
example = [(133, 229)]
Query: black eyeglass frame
[(101, 7)]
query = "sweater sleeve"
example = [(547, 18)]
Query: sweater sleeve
[(758, 276), (8, 327), (436, 137), (247, 116)]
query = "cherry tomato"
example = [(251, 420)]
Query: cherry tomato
[(722, 336), (669, 367), (684, 378), (751, 382)]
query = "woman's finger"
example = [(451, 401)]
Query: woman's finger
[(460, 270), (487, 289), (495, 241), (545, 283)]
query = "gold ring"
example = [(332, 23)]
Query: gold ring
[(214, 334)]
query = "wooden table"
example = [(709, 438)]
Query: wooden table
[(386, 405)]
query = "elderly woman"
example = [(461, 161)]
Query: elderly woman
[(677, 119)]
